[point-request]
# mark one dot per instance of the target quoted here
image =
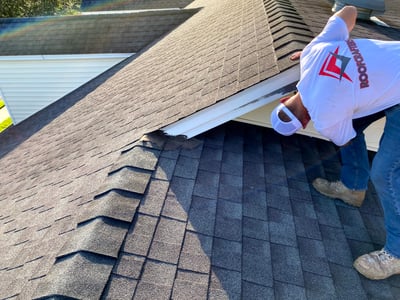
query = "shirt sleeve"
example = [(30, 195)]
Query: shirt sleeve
[(334, 30), (340, 133)]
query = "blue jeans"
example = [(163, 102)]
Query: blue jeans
[(355, 171), (385, 175)]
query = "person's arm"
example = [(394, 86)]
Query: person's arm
[(295, 56), (349, 15)]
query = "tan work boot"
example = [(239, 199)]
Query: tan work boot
[(336, 189), (377, 265)]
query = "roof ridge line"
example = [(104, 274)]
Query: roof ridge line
[(289, 31)]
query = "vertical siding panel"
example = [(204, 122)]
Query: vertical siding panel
[(30, 83)]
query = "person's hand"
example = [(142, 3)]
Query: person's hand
[(295, 56)]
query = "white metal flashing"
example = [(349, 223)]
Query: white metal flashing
[(236, 105)]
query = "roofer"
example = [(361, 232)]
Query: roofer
[(345, 84)]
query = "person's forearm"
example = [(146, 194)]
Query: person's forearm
[(349, 16)]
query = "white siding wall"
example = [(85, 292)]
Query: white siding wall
[(30, 83)]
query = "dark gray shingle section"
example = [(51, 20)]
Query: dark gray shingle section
[(220, 251)]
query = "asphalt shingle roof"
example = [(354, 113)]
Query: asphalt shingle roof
[(236, 218), (104, 5), (83, 34), (87, 210)]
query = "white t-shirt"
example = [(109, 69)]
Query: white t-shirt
[(344, 79)]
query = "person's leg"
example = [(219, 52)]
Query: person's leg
[(354, 156), (385, 175), (354, 175)]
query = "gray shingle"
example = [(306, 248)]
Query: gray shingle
[(165, 168), (98, 236), (257, 264), (278, 197), (313, 257), (230, 187), (137, 157), (167, 241), (319, 287), (229, 220), (227, 254), (202, 215), (307, 227), (206, 184), (139, 237), (129, 265), (96, 5), (256, 292), (128, 180), (120, 288), (347, 282), (159, 273), (190, 285), (337, 250), (111, 205), (257, 229), (281, 227), (305, 209), (82, 34), (153, 201), (157, 281), (286, 265), (186, 167), (375, 227), (224, 284), (377, 289), (287, 291), (211, 159), (326, 211), (253, 176), (196, 253), (67, 150), (178, 199), (150, 290), (254, 207), (81, 276), (232, 163)]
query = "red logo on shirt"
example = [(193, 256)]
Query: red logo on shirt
[(335, 66)]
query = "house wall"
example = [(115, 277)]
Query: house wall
[(261, 117), (30, 83)]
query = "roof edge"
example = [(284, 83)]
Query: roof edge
[(234, 106)]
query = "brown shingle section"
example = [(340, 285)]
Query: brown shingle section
[(82, 34), (101, 5), (315, 14), (59, 159), (57, 163), (288, 30)]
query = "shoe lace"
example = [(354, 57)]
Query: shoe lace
[(337, 186), (383, 255)]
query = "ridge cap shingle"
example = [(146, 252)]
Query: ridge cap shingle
[(95, 244)]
